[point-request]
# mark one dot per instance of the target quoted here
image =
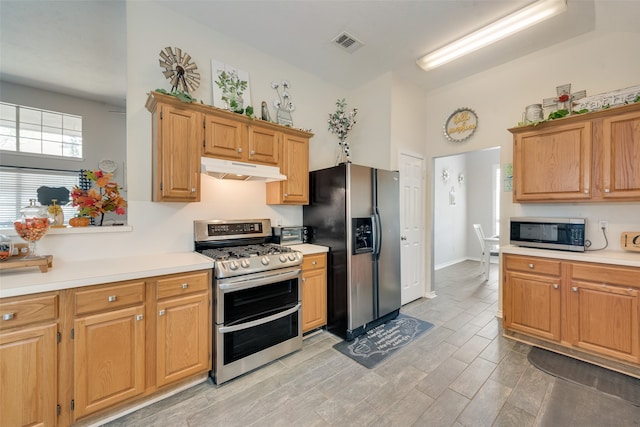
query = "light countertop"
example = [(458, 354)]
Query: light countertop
[(308, 249), (630, 259), (65, 274)]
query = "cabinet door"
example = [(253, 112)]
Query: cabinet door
[(621, 156), (553, 164), (532, 304), (178, 155), (314, 292), (264, 146), (604, 319), (295, 165), (109, 355), (224, 138), (183, 338), (28, 377)]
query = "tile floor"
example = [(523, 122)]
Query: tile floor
[(460, 373)]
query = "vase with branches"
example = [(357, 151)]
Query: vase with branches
[(340, 123), (232, 89)]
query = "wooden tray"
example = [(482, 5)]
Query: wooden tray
[(45, 262)]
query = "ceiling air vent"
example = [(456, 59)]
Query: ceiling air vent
[(347, 42)]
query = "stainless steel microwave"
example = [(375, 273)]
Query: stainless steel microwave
[(565, 234)]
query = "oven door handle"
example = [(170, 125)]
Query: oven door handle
[(234, 328), (253, 281)]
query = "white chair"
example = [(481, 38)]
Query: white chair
[(489, 246)]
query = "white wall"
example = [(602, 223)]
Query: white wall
[(598, 62), (449, 236), (168, 227)]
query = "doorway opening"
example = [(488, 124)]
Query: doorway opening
[(466, 190)]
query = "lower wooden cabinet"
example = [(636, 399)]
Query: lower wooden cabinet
[(109, 358), (314, 291), (74, 355), (28, 377), (587, 308), (29, 360), (183, 337), (532, 296), (604, 311)]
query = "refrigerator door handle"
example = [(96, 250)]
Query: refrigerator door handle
[(377, 233)]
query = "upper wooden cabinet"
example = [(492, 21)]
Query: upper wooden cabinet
[(591, 158), (295, 165), (182, 132), (176, 132)]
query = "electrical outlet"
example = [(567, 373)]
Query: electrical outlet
[(604, 224)]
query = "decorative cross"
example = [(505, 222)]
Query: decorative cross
[(565, 99)]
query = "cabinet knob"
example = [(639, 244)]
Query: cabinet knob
[(193, 189), (314, 262), (161, 312), (531, 265), (586, 191), (8, 316), (304, 279), (574, 289), (140, 317), (239, 149), (252, 152), (286, 195), (185, 285), (555, 286), (606, 190), (112, 298)]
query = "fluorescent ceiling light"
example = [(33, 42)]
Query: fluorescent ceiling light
[(518, 21)]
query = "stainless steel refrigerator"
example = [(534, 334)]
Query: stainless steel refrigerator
[(355, 211)]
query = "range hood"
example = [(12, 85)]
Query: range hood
[(240, 171)]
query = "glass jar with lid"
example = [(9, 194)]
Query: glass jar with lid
[(32, 225), (6, 247)]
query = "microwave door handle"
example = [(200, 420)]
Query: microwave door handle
[(258, 322)]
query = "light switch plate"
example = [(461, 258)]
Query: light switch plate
[(630, 241)]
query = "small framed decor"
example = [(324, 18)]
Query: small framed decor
[(231, 89), (461, 125)]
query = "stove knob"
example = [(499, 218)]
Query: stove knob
[(245, 263), (233, 265), (264, 260), (283, 258), (292, 257)]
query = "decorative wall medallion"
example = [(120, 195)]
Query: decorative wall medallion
[(461, 125)]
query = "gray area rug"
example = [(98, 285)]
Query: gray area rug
[(374, 346), (599, 379)]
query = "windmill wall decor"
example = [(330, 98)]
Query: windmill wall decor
[(179, 69), (565, 99)]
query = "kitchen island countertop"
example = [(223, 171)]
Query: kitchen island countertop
[(73, 274)]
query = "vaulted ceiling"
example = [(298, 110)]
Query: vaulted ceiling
[(80, 47)]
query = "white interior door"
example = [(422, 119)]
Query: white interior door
[(412, 227)]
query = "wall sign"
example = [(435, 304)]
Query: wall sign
[(461, 125)]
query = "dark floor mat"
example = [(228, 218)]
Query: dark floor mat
[(577, 371), (372, 347)]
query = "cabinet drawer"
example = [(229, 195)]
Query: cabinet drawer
[(22, 311), (531, 265), (109, 297), (183, 284), (599, 273), (310, 262)]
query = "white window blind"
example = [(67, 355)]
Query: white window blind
[(18, 185), (36, 131)]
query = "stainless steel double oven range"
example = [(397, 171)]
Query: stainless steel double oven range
[(256, 287)]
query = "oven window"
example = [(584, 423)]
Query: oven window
[(249, 304), (246, 342)]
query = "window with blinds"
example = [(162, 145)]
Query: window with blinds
[(35, 131), (18, 185)]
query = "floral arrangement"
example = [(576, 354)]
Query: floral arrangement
[(340, 123), (283, 103), (97, 201), (232, 89)]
